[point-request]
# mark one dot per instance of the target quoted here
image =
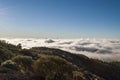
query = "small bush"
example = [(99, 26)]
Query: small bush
[(23, 61), (5, 54), (48, 65), (10, 64), (56, 76), (27, 52)]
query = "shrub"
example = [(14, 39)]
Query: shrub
[(27, 52), (56, 76), (23, 61), (5, 54), (13, 48), (19, 46), (47, 65), (10, 64)]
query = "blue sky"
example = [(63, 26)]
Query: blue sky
[(60, 18)]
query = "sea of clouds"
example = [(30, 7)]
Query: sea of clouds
[(103, 49)]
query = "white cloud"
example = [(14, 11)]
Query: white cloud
[(103, 49)]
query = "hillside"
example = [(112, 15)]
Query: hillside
[(42, 63)]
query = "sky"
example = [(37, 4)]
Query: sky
[(60, 18)]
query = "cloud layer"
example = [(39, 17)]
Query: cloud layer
[(103, 49)]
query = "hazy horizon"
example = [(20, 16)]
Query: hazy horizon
[(60, 19)]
